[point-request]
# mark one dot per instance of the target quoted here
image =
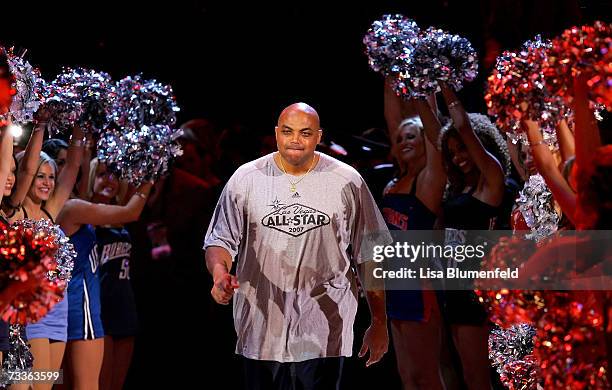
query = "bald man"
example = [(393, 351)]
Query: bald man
[(295, 221)]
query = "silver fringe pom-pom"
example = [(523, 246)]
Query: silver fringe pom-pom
[(535, 203), (144, 103), (29, 86), (437, 57), (389, 42), (140, 155), (81, 97), (19, 357), (510, 353)]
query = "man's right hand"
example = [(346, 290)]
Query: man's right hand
[(223, 288)]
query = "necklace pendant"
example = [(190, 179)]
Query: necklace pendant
[(292, 188)]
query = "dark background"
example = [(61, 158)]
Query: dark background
[(231, 62), (241, 64)]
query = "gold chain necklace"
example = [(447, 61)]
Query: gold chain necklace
[(292, 188)]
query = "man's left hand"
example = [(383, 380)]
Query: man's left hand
[(376, 340)]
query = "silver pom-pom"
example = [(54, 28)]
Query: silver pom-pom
[(63, 113), (80, 96), (144, 103), (535, 203), (65, 254), (510, 353), (598, 110), (389, 42), (29, 86), (438, 56), (140, 155), (514, 343), (19, 357)]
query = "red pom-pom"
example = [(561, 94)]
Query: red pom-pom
[(26, 258), (581, 50), (512, 307), (570, 341), (521, 374), (518, 79)]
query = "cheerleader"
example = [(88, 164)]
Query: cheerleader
[(476, 191), (117, 298), (412, 201), (16, 187), (45, 199), (591, 209), (6, 162), (85, 348)]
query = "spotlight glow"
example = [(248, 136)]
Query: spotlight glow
[(16, 131)]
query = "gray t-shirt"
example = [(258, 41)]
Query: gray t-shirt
[(297, 298)]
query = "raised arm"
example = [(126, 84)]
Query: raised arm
[(396, 109), (434, 173), (83, 183), (586, 130), (6, 156), (547, 167), (67, 179), (393, 111), (567, 146), (79, 212), (428, 116), (514, 150), (29, 165), (489, 167)]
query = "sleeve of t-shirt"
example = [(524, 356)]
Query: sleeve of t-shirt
[(369, 228), (227, 223)]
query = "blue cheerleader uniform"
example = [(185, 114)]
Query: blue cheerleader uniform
[(84, 310), (54, 325)]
